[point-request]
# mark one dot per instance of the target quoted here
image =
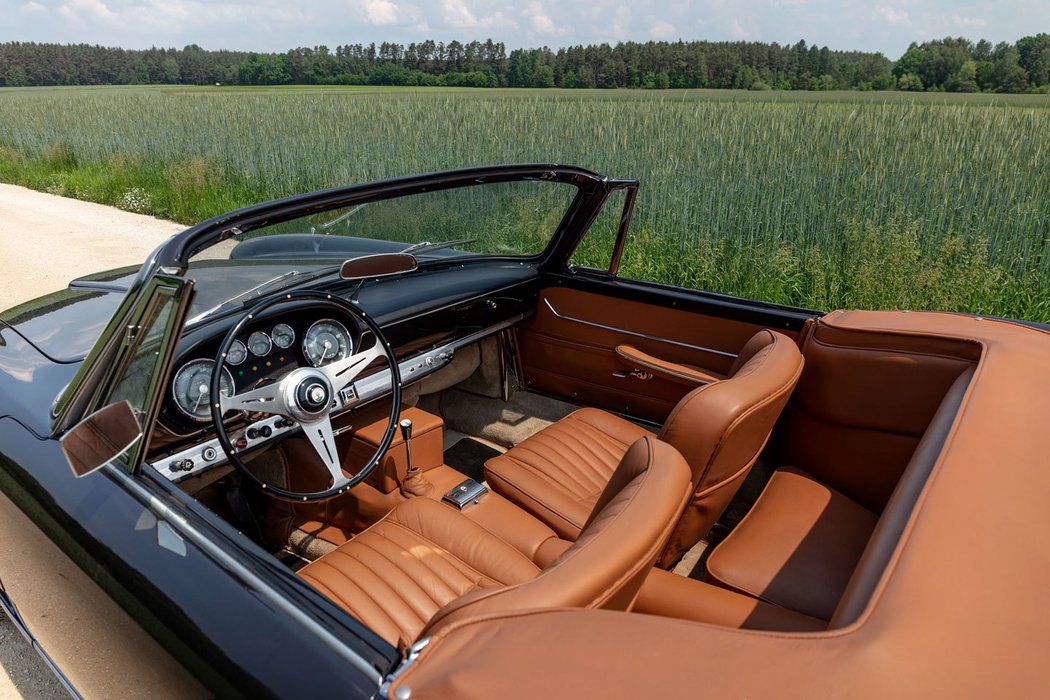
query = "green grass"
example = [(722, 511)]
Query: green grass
[(825, 200)]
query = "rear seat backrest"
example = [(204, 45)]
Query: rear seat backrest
[(898, 511)]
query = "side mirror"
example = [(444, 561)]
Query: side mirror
[(100, 438), (379, 265)]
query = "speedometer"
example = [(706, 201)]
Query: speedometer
[(326, 342), (192, 386)]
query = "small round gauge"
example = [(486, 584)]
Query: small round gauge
[(260, 344), (192, 386), (237, 353), (283, 335), (326, 342)]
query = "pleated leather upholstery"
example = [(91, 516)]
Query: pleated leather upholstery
[(395, 575), (558, 473)]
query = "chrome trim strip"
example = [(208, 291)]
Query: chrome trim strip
[(368, 389), (658, 339), (258, 585)]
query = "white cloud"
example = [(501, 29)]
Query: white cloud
[(457, 14), (737, 29), (380, 12), (77, 10), (969, 22), (893, 15), (663, 30), (539, 20), (32, 8)]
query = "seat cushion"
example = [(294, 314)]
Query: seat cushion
[(395, 575), (558, 473), (797, 547)]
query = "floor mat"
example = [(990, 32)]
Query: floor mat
[(468, 456), (505, 423)]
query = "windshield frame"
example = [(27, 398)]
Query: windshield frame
[(177, 253)]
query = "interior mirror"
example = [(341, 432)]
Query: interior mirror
[(100, 438), (379, 265)]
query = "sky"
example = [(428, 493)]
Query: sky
[(277, 25)]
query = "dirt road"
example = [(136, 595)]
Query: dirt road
[(45, 241)]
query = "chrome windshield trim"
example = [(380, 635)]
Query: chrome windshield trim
[(636, 334)]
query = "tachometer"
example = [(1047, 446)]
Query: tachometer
[(192, 386), (325, 342), (283, 335), (260, 344), (237, 353)]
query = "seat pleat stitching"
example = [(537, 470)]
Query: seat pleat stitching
[(460, 567), (551, 471), (594, 448), (551, 441), (588, 459), (413, 581), (445, 571), (352, 609), (354, 555), (603, 440)]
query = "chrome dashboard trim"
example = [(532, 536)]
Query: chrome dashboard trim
[(636, 334), (208, 454)]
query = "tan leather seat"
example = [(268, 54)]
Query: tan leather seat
[(797, 547), (720, 428), (426, 564), (806, 547)]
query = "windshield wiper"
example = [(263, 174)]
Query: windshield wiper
[(257, 288), (342, 217), (427, 246)]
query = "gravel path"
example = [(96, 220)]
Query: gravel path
[(45, 241)]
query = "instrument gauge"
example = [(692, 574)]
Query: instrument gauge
[(260, 344), (283, 335), (191, 388), (326, 342), (237, 353)]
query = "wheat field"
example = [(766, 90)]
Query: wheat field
[(872, 200)]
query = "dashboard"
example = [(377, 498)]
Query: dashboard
[(258, 354), (425, 317)]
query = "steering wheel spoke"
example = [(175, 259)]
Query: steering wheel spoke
[(320, 435), (265, 399), (346, 370)]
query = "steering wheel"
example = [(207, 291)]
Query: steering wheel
[(307, 395)]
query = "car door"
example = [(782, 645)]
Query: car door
[(55, 577), (596, 336)]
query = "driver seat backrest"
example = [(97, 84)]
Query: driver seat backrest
[(617, 547)]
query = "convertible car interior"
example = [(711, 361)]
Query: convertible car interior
[(737, 475), (436, 417)]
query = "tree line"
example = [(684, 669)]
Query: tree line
[(950, 64)]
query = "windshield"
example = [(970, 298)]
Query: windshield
[(514, 218)]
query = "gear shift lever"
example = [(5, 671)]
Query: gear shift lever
[(406, 435), (414, 484)]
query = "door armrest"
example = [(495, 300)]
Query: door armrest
[(682, 374)]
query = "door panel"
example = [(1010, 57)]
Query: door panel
[(568, 347)]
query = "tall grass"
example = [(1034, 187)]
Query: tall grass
[(883, 204)]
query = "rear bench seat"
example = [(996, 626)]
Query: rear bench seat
[(808, 548), (806, 556)]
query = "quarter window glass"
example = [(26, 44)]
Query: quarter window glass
[(137, 382), (595, 250)]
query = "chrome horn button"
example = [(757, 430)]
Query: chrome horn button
[(307, 394)]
